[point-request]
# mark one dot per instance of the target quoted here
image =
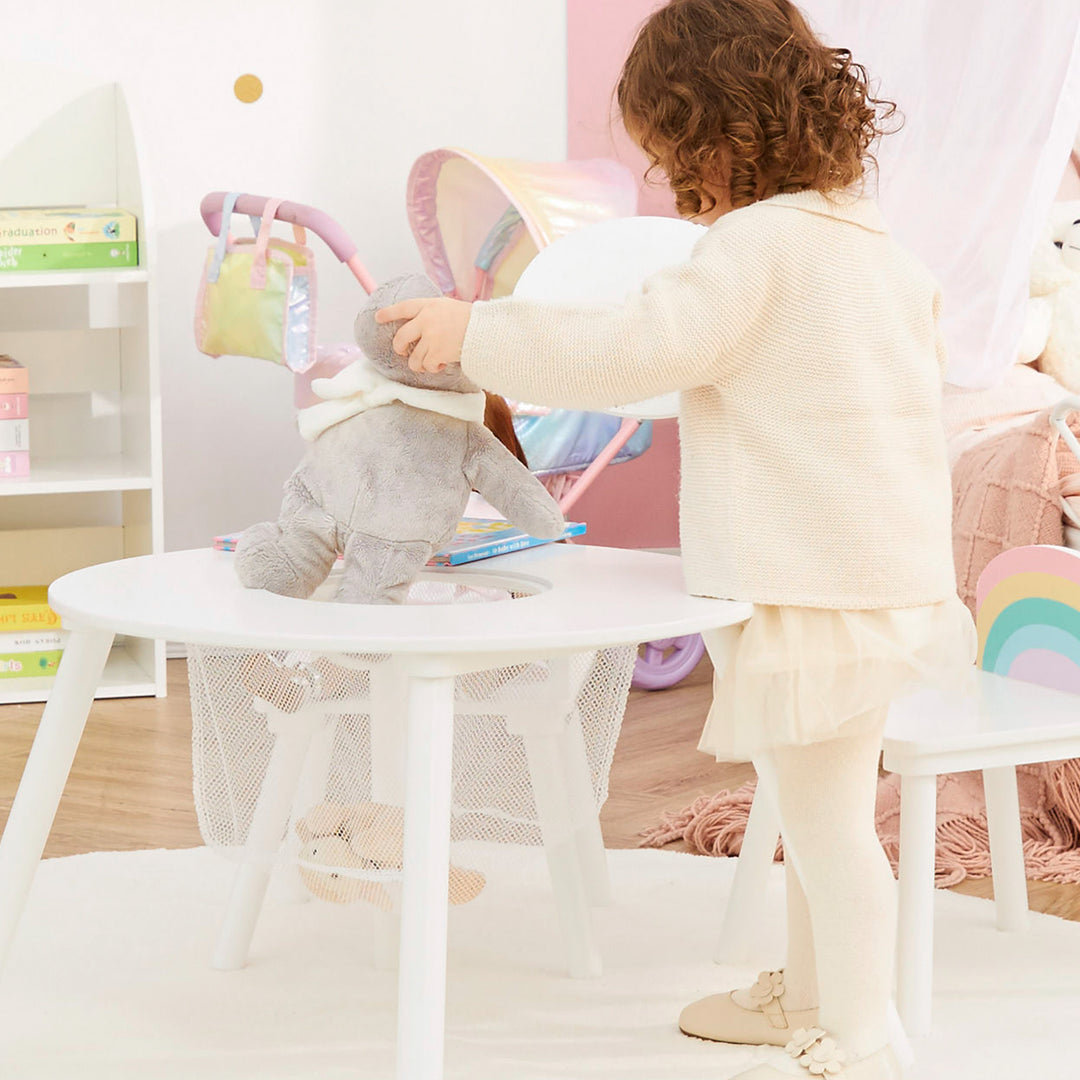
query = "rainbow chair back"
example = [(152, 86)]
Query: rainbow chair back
[(1028, 616)]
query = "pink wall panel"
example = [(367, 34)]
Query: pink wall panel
[(635, 504), (599, 35)]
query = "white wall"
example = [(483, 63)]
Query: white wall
[(354, 91)]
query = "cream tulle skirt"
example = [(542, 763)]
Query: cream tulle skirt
[(797, 675)]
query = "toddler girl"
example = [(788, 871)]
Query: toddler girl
[(807, 349)]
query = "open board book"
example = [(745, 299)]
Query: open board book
[(477, 538)]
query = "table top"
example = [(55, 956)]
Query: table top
[(583, 598)]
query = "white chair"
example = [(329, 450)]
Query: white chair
[(1005, 724), (1028, 625)]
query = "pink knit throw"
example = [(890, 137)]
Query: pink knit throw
[(1049, 810), (1005, 495)]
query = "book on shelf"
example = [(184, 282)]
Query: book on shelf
[(29, 665), (14, 436), (26, 607), (476, 538), (67, 238), (20, 641), (14, 426), (29, 654), (13, 376), (14, 406), (14, 464)]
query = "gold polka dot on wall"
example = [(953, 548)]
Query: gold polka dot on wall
[(248, 88)]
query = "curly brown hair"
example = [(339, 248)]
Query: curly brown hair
[(741, 94)]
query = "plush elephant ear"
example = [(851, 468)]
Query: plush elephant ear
[(499, 420)]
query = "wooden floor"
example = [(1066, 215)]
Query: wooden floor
[(131, 783)]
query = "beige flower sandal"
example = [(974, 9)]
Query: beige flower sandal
[(816, 1055), (720, 1018)]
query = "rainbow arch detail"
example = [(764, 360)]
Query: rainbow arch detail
[(1028, 616)]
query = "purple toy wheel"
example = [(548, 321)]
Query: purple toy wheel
[(667, 662)]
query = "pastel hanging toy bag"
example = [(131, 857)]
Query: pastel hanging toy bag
[(257, 294)]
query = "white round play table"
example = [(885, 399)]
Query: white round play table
[(582, 598)]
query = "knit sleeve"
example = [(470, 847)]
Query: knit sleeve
[(684, 329)]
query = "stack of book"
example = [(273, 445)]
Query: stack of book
[(31, 641), (14, 422), (67, 238), (477, 538)]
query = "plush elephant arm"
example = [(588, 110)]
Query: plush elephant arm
[(501, 479)]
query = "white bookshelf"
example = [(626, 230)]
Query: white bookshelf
[(56, 476), (60, 278), (89, 341)]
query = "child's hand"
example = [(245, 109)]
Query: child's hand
[(434, 333)]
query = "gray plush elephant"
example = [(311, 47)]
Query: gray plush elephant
[(394, 456)]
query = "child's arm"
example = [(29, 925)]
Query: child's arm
[(686, 328)]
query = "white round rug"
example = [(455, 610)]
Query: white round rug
[(109, 979)]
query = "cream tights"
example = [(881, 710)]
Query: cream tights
[(841, 892)]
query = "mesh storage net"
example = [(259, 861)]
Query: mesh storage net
[(299, 757)]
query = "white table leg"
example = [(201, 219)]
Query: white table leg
[(546, 771), (46, 772), (425, 887), (1006, 847), (310, 791), (751, 880), (588, 838), (566, 677), (915, 936), (388, 705), (292, 737)]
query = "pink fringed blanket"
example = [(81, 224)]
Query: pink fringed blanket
[(1006, 492), (1049, 807)]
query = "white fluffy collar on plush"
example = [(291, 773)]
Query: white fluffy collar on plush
[(359, 387)]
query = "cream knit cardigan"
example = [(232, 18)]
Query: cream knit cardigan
[(805, 344)]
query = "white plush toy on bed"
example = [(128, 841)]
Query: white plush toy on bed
[(1052, 328)]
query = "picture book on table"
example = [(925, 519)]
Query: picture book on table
[(477, 538), (483, 538)]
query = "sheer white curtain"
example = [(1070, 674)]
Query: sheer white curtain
[(990, 91)]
